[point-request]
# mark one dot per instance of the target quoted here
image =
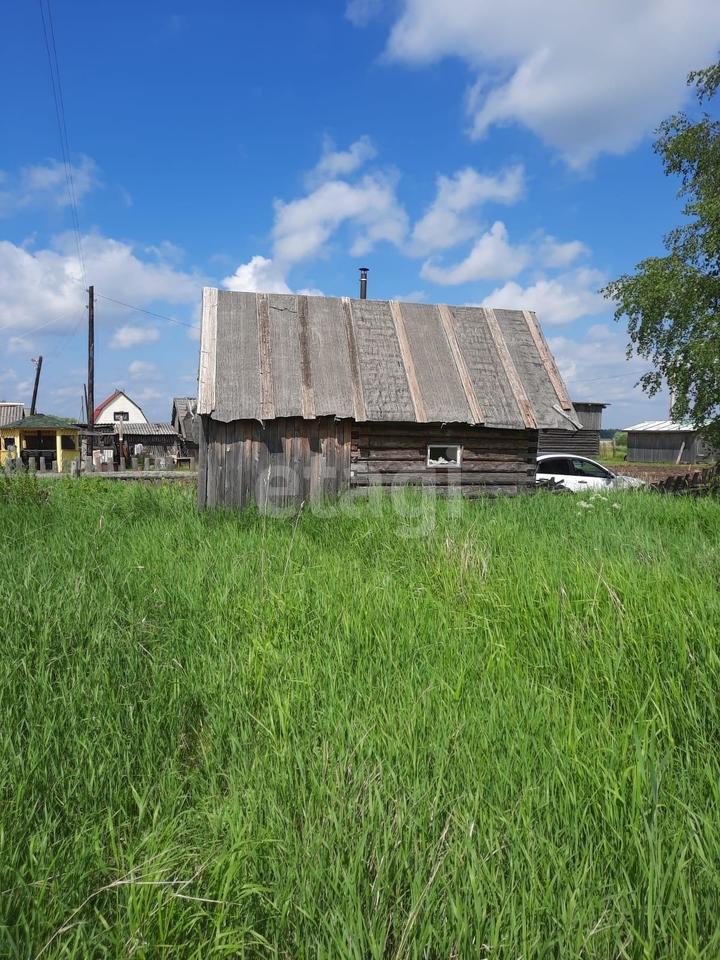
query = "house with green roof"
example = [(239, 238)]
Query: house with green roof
[(40, 437)]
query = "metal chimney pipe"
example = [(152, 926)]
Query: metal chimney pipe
[(363, 282)]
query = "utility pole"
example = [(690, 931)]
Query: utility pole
[(38, 368), (90, 402)]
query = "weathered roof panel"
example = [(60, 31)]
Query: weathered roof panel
[(435, 368), (10, 412), (660, 426), (270, 355)]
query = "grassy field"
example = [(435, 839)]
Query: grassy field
[(225, 736)]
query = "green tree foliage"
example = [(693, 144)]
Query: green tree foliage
[(672, 303)]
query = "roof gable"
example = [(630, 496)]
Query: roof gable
[(274, 355), (115, 395)]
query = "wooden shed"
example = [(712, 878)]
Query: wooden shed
[(663, 441), (40, 440), (301, 397), (584, 442)]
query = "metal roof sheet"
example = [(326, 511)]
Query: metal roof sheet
[(10, 412), (264, 356), (145, 429), (660, 426)]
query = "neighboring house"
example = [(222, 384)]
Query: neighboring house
[(585, 442), (663, 441), (185, 422), (155, 439), (118, 407), (54, 440), (10, 412), (301, 397)]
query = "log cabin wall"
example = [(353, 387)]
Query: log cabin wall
[(279, 463), (493, 461)]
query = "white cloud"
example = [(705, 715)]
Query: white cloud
[(553, 253), (304, 226), (341, 163), (132, 336), (444, 224), (258, 275), (586, 77), (46, 184), (492, 258), (560, 300), (42, 287), (139, 369)]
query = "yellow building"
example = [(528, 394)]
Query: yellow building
[(56, 440)]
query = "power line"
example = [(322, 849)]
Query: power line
[(58, 99), (149, 313)]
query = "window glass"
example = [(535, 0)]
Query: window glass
[(583, 468), (121, 415), (67, 443), (444, 455), (557, 466)]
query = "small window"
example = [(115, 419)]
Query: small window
[(67, 443), (121, 416), (444, 455)]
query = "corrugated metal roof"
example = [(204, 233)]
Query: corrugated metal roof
[(146, 429), (264, 356), (10, 412), (660, 426)]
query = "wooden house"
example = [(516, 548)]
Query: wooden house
[(584, 442), (40, 440), (185, 422), (305, 396), (663, 441)]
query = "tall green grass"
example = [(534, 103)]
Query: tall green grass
[(229, 736)]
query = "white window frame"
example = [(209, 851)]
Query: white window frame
[(121, 416), (435, 465)]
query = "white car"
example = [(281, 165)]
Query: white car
[(580, 473)]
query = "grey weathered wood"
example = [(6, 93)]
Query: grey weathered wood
[(408, 362), (286, 362), (476, 412), (384, 382), (358, 394), (516, 384), (306, 378), (546, 357), (238, 377), (485, 370), (267, 394), (208, 342)]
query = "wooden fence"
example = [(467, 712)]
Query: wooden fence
[(700, 483)]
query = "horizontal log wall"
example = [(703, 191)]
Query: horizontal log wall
[(493, 461), (583, 443), (278, 464)]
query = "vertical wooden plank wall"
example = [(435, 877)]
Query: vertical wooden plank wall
[(283, 462)]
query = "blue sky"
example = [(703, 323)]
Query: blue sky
[(467, 152)]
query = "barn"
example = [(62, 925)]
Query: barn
[(301, 397), (584, 442), (663, 441)]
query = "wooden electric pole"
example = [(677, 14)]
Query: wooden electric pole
[(90, 402), (38, 368)]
